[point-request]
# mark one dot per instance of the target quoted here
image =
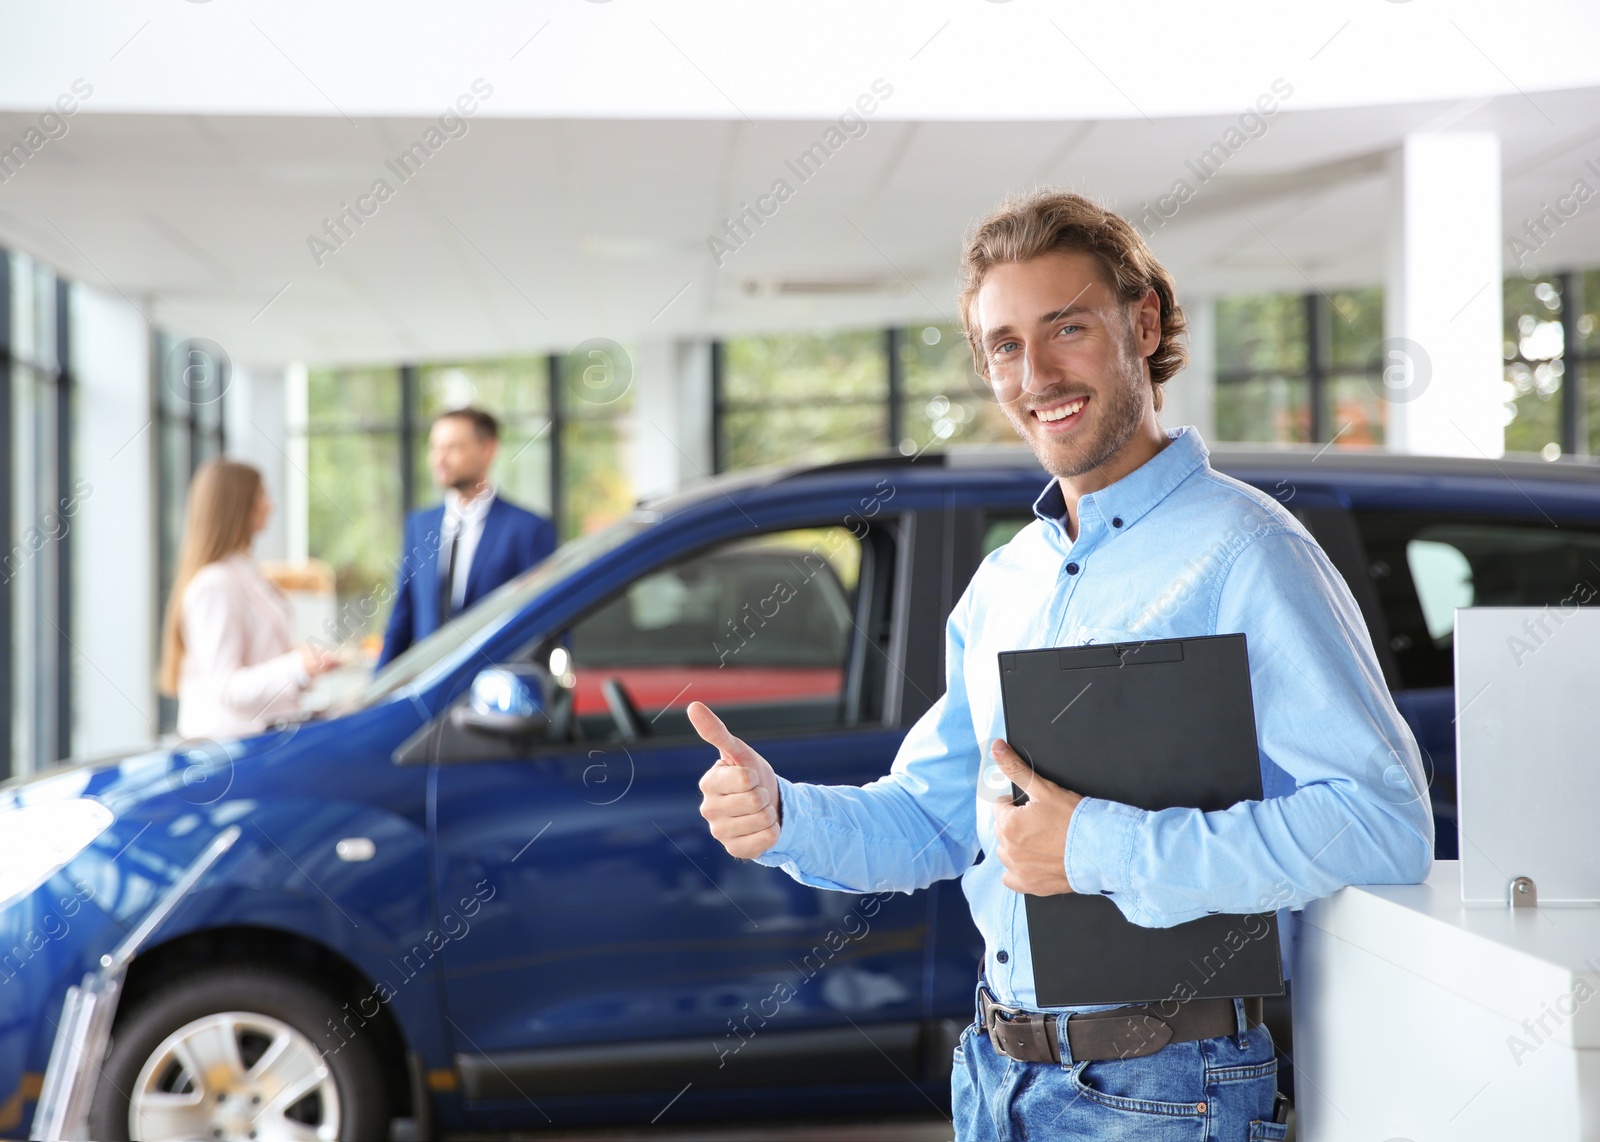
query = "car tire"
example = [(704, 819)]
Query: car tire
[(281, 1030)]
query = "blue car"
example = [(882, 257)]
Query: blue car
[(481, 897)]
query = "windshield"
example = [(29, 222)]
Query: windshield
[(496, 608)]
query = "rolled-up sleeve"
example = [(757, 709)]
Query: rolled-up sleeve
[(1354, 806), (906, 830)]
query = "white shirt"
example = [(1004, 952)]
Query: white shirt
[(467, 518), (241, 671)]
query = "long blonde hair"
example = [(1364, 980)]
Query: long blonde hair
[(222, 501)]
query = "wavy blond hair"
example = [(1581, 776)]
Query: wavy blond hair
[(216, 524), (1031, 225)]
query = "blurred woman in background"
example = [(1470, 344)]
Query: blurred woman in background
[(227, 644)]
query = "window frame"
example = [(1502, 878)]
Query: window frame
[(37, 388), (1571, 414), (868, 695), (1318, 373), (1396, 589), (202, 433)]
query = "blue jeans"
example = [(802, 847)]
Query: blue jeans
[(1208, 1090)]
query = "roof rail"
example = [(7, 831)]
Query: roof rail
[(926, 458), (951, 456), (771, 474), (1225, 456)]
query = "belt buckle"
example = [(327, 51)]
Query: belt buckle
[(993, 1012), (1033, 1028)]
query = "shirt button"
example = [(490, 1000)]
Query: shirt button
[(1072, 568), (1001, 955), (1116, 521)]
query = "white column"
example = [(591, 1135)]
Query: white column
[(116, 616), (297, 497), (1191, 396), (1442, 302), (256, 409), (672, 416)]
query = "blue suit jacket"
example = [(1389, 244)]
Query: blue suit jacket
[(513, 540)]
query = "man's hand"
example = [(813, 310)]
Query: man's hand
[(1033, 836), (740, 792)]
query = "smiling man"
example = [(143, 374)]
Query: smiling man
[(1076, 328)]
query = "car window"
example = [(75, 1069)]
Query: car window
[(760, 629), (471, 627), (1444, 582), (1425, 567), (999, 530)]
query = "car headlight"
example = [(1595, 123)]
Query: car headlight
[(37, 840)]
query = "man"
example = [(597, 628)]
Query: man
[(1075, 327), (459, 551)]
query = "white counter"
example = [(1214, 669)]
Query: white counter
[(1419, 1018)]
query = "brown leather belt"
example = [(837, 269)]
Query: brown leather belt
[(1120, 1033)]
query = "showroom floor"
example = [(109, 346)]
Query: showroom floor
[(924, 1129)]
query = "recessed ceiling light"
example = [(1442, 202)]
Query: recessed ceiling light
[(815, 286)]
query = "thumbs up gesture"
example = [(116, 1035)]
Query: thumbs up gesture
[(739, 794)]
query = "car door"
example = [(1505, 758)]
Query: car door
[(613, 944), (976, 524), (1424, 565)]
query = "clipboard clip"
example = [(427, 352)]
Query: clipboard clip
[(1099, 655)]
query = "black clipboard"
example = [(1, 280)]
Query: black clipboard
[(1157, 725)]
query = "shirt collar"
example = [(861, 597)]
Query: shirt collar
[(1137, 492), (473, 511)]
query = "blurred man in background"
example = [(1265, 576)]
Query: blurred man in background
[(456, 552)]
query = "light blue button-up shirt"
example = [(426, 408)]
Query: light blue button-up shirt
[(1173, 549)]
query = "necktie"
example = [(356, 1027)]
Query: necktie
[(448, 578)]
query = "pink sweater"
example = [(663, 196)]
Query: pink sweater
[(240, 670)]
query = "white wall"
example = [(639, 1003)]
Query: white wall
[(296, 504), (672, 416), (256, 412), (115, 613), (1191, 396)]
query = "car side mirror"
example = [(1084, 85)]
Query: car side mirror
[(507, 702)]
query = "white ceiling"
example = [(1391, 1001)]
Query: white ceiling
[(532, 233), (975, 60)]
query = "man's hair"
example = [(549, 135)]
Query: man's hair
[(483, 423), (1034, 224)]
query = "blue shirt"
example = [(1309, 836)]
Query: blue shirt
[(1173, 549)]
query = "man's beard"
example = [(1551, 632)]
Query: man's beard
[(1121, 414)]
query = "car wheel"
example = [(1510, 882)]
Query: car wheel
[(239, 1053)]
